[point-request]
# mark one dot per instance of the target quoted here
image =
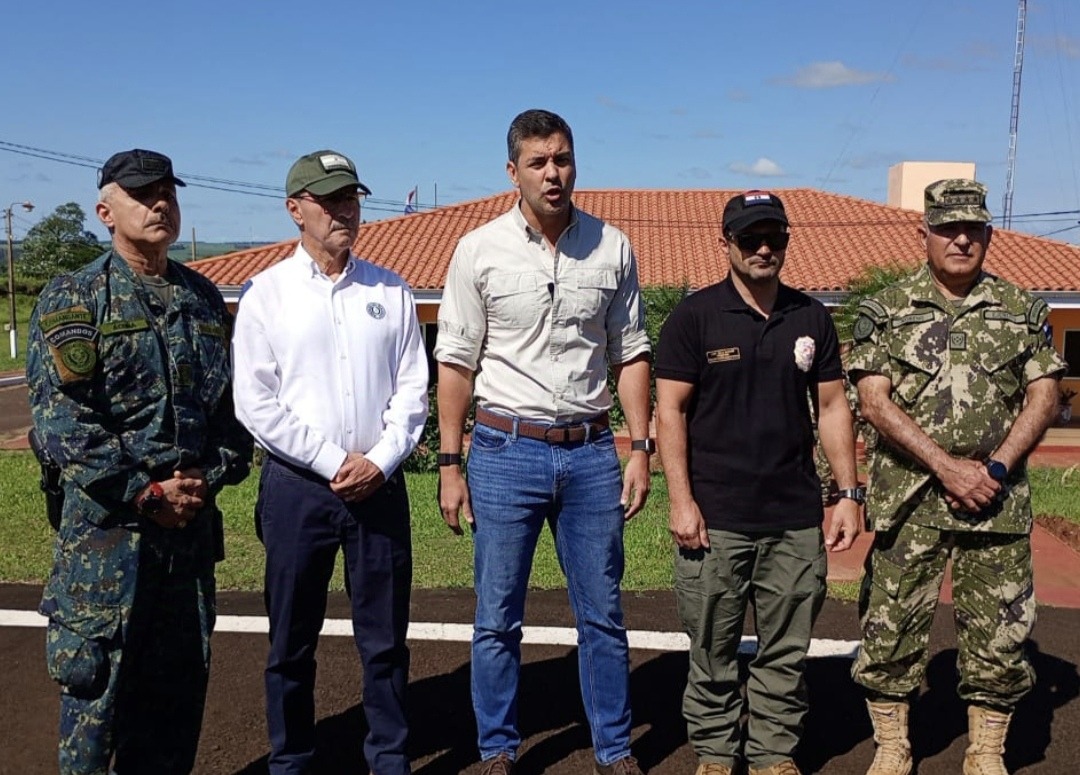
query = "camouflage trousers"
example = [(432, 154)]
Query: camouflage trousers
[(136, 699), (994, 608)]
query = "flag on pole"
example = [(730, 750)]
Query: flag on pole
[(410, 202)]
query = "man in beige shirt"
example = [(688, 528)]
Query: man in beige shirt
[(537, 303)]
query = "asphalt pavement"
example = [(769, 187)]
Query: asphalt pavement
[(838, 740)]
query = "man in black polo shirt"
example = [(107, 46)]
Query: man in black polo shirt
[(739, 366)]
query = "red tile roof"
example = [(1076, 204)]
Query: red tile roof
[(675, 235)]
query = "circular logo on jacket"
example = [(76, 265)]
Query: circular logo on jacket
[(79, 356), (376, 310)]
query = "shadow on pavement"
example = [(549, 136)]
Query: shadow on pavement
[(552, 720), (939, 717)]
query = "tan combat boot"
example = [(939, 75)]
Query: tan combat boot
[(890, 720), (986, 730), (786, 767), (713, 768)]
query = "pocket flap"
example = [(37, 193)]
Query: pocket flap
[(603, 279), (511, 284), (93, 621)]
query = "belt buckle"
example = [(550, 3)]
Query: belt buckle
[(551, 435)]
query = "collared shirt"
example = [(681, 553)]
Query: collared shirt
[(960, 371), (540, 327), (749, 427), (326, 367)]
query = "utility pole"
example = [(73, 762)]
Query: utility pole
[(13, 335), (1014, 116), (192, 243)]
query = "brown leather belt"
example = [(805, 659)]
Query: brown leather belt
[(552, 434)]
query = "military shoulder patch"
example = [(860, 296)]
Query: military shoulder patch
[(74, 350), (874, 310), (1037, 314), (863, 329), (51, 320)]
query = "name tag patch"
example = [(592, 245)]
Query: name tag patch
[(723, 354)]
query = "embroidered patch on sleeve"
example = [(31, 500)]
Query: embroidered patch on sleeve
[(74, 350)]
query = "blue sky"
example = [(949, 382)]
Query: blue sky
[(714, 94)]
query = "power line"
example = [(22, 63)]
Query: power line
[(374, 204)]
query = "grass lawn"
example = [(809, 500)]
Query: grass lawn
[(441, 559), (23, 305)]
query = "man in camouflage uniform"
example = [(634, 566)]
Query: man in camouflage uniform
[(955, 371), (129, 379)]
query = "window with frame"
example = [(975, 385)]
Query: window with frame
[(1072, 352)]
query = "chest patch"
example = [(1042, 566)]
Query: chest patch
[(958, 340), (723, 354)]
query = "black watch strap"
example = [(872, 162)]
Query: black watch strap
[(448, 459), (648, 446), (857, 494)]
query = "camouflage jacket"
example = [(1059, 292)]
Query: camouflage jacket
[(124, 390), (960, 371)]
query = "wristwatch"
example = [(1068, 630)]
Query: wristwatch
[(648, 446), (448, 459), (997, 470), (149, 502), (857, 494)]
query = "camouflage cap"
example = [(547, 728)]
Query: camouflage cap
[(956, 199)]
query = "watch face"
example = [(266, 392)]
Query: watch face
[(997, 470)]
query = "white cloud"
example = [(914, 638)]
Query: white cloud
[(827, 75), (696, 173), (738, 95), (762, 168), (1066, 46), (614, 105)]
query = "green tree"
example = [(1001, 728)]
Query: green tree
[(58, 243), (862, 286)]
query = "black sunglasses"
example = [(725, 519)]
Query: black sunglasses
[(750, 243), (336, 199)]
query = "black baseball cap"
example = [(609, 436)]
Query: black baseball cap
[(137, 168), (744, 210)]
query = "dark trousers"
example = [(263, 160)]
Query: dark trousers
[(303, 524)]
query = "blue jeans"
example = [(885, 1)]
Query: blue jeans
[(515, 484)]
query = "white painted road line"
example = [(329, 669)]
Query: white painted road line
[(462, 633)]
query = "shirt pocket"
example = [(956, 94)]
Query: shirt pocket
[(212, 356), (591, 292), (134, 369), (1004, 368), (913, 370), (512, 299)]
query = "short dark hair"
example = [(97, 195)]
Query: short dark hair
[(535, 123)]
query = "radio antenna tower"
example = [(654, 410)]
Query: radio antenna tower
[(1014, 116)]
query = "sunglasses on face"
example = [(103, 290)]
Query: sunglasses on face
[(336, 199), (750, 243)]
